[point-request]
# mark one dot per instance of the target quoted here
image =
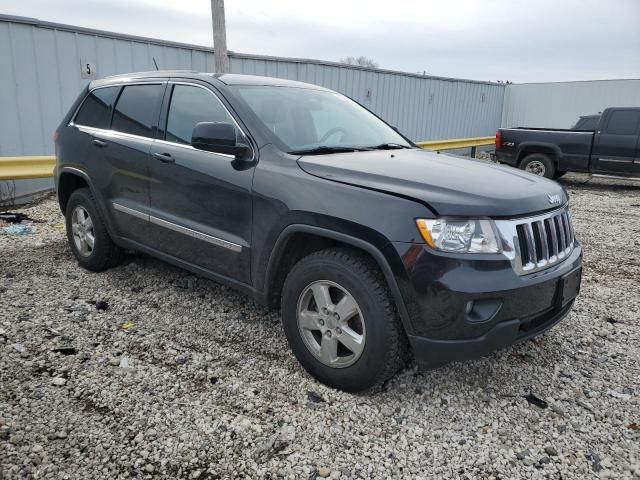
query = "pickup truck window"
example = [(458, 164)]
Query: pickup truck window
[(190, 106), (136, 109), (96, 109), (305, 119), (623, 122), (587, 123)]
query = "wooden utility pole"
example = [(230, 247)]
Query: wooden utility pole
[(219, 36)]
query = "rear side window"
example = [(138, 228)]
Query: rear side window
[(96, 109), (587, 123), (137, 109), (190, 106), (623, 122)]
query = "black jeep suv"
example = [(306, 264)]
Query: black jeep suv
[(300, 197)]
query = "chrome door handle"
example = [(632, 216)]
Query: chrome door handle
[(164, 157), (99, 143)]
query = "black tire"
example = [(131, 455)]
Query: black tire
[(104, 253), (548, 167), (385, 346)]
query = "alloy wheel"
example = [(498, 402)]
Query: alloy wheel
[(331, 324), (83, 231), (536, 167)]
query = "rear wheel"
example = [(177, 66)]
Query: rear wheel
[(539, 164), (87, 234), (340, 321)]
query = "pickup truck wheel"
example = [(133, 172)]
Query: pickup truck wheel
[(87, 234), (340, 321), (539, 164)]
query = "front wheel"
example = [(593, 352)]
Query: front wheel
[(539, 164), (340, 321)]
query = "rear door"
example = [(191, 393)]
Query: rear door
[(92, 118), (615, 144), (201, 209), (122, 174)]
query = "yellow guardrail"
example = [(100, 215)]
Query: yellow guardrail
[(454, 143), (25, 168)]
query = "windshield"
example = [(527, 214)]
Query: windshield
[(305, 119)]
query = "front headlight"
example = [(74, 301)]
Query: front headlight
[(459, 235)]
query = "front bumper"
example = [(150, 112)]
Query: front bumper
[(465, 308), (429, 352)]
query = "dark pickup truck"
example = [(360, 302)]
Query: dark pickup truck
[(612, 149)]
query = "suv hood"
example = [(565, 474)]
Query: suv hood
[(449, 185)]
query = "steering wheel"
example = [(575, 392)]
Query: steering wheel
[(333, 131)]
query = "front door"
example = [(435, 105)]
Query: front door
[(614, 148), (200, 201)]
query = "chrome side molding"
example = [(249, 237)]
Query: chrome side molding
[(219, 242)]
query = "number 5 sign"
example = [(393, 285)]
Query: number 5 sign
[(88, 69)]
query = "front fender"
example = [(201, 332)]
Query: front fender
[(386, 259)]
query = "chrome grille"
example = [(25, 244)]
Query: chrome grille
[(543, 241)]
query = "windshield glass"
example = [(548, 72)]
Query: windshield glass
[(307, 119)]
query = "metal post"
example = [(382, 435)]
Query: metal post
[(473, 152), (219, 36)]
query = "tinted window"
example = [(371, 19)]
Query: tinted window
[(96, 109), (587, 123), (190, 106), (623, 122), (136, 109)]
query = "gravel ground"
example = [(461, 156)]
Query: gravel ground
[(148, 371)]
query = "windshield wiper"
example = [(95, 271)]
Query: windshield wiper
[(326, 149), (388, 146)]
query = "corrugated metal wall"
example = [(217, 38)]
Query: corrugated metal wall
[(40, 77), (558, 105), (423, 108)]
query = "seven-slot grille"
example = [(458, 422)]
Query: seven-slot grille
[(545, 240)]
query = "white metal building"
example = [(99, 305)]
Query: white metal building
[(44, 66), (559, 104)]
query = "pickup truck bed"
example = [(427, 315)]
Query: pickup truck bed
[(613, 149)]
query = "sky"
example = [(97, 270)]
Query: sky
[(515, 40)]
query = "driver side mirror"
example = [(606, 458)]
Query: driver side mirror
[(217, 137)]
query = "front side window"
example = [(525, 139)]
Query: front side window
[(190, 106), (623, 122), (136, 109), (305, 119), (96, 109)]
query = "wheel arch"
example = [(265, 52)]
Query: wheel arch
[(283, 257), (549, 149), (70, 179)]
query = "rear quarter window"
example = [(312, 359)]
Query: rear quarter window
[(137, 109), (96, 108)]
